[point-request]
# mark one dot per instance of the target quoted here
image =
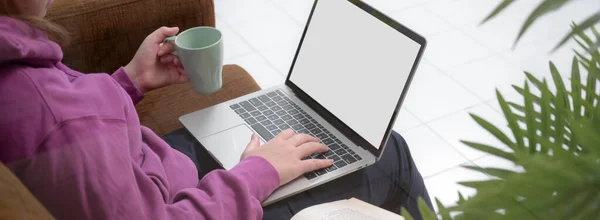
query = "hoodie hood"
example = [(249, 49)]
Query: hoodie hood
[(24, 44)]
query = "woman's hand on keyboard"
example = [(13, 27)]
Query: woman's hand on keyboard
[(286, 152)]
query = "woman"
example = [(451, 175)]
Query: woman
[(76, 142)]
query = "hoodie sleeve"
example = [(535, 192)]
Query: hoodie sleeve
[(123, 79), (120, 76), (87, 173)]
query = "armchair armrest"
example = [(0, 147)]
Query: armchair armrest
[(160, 109)]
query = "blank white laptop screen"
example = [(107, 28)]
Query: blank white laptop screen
[(355, 66)]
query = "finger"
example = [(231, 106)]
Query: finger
[(286, 134), (183, 78), (159, 35), (300, 139), (177, 62), (309, 148), (176, 76), (166, 48), (254, 143), (314, 164), (167, 59)]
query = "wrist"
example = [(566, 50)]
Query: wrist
[(259, 174), (134, 76)]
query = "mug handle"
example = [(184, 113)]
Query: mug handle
[(172, 39)]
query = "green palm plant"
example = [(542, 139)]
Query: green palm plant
[(547, 7), (555, 138)]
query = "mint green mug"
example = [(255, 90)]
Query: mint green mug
[(200, 50)]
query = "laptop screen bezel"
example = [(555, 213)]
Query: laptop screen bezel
[(332, 119)]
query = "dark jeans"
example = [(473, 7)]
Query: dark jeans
[(391, 183)]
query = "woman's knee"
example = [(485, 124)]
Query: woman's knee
[(398, 141)]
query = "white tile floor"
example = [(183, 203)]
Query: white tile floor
[(463, 64)]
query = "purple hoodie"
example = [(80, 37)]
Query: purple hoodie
[(76, 142)]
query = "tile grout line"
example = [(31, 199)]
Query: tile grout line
[(482, 101), (447, 142), (259, 52), (444, 170), (491, 106), (460, 29), (426, 123), (254, 49), (240, 55), (278, 6)]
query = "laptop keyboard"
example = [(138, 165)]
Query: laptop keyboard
[(274, 112)]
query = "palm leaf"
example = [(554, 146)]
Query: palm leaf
[(535, 81), (512, 121), (461, 198), (491, 150), (577, 204), (590, 45), (590, 213), (593, 73), (521, 91), (500, 173), (558, 81), (561, 105), (559, 124), (587, 23), (443, 211), (406, 214), (542, 9), (589, 105), (595, 45), (583, 60), (576, 87), (577, 30), (575, 96), (522, 109), (481, 184), (498, 9), (531, 128), (579, 182), (596, 33), (546, 120), (426, 212), (483, 205), (549, 145), (494, 131), (582, 45), (587, 136)]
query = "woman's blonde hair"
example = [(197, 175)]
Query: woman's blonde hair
[(54, 31)]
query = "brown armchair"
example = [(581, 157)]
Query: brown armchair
[(107, 33)]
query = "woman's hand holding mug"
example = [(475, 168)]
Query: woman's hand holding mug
[(153, 65)]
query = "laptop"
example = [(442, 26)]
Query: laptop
[(351, 71)]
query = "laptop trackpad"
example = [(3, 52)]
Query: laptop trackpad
[(227, 146)]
